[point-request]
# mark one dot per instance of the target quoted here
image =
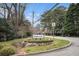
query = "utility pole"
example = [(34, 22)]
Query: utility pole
[(33, 21), (33, 18)]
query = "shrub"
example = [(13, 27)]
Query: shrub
[(6, 51), (28, 34), (1, 46)]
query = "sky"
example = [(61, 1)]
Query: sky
[(39, 8)]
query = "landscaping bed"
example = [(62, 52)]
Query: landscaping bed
[(55, 43)]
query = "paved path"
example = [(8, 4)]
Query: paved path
[(72, 50)]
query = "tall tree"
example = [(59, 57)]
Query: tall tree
[(57, 15), (14, 16), (71, 26)]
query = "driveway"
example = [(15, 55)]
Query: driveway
[(72, 50)]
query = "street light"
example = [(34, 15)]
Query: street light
[(53, 25)]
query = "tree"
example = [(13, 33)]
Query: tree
[(71, 25), (14, 17), (5, 30), (57, 15)]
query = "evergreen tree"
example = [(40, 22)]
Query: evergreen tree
[(71, 24)]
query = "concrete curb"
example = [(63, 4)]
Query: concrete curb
[(28, 54)]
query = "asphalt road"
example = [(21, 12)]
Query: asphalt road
[(72, 50)]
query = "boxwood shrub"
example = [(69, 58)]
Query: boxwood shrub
[(1, 46), (6, 51)]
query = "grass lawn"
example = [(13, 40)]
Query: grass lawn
[(13, 41)]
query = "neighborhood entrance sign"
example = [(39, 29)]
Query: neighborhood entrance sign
[(38, 36)]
